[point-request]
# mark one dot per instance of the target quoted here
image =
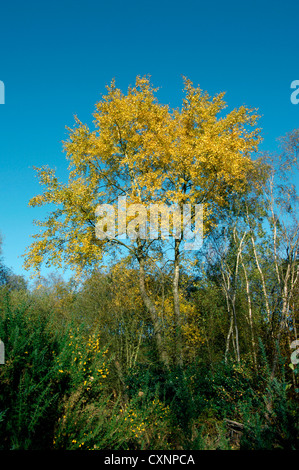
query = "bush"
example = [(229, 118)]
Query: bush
[(58, 391), (29, 390), (273, 423)]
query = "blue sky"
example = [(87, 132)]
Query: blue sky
[(57, 57)]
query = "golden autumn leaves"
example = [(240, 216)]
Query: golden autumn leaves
[(149, 153)]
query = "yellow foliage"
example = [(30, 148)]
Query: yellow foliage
[(149, 153)]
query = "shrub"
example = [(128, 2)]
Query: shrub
[(29, 391)]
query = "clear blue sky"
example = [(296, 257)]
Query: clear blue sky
[(56, 58)]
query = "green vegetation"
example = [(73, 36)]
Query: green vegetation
[(69, 384), (150, 346)]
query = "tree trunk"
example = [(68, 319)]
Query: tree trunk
[(176, 305), (253, 343), (163, 356)]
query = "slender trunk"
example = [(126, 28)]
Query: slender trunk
[(235, 292), (226, 287), (248, 297), (274, 222), (289, 283), (228, 338), (262, 279), (253, 343), (153, 314), (260, 271), (231, 306), (283, 320), (134, 359), (236, 334), (176, 306)]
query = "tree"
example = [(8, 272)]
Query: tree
[(4, 272), (149, 154), (281, 202), (255, 249)]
